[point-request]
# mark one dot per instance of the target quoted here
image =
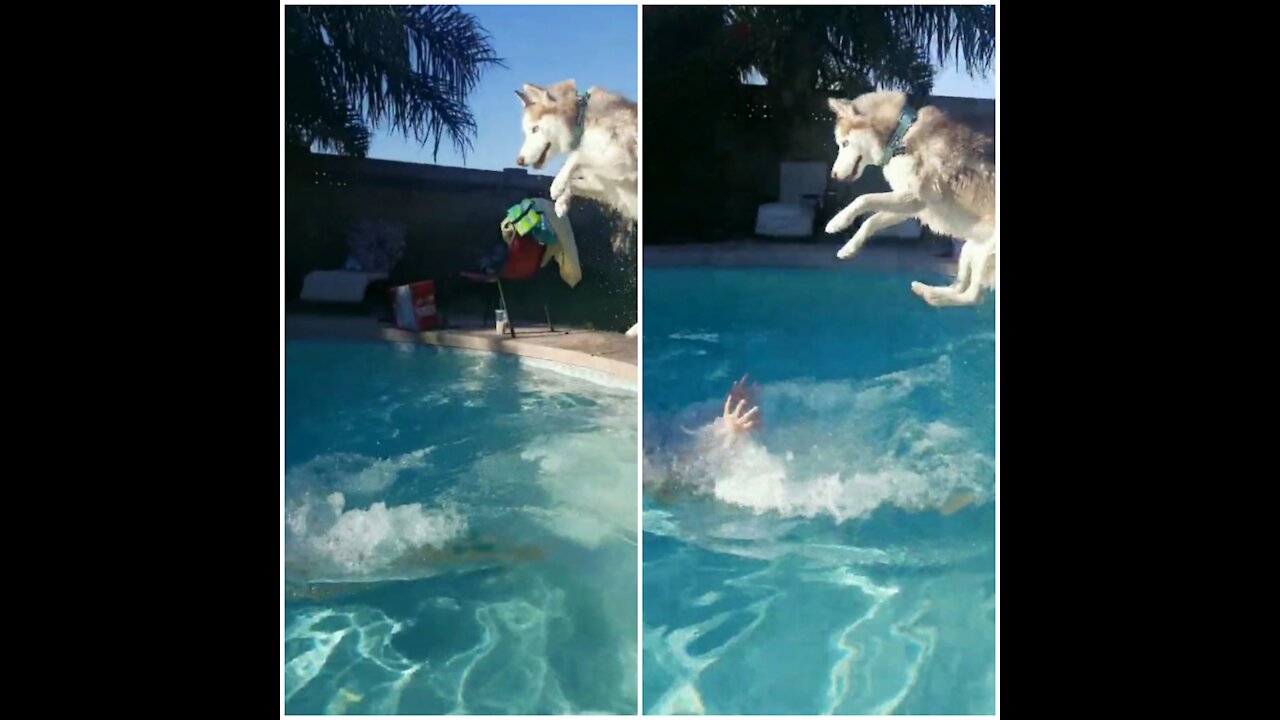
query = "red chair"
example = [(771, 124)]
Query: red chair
[(524, 257)]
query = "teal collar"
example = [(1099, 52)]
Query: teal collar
[(894, 146), (582, 118)]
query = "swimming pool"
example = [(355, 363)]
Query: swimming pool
[(811, 571), (460, 535)]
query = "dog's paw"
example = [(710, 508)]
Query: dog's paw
[(849, 250), (839, 222), (558, 186), (926, 293), (562, 206)]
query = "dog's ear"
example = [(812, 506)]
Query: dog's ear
[(561, 90), (842, 107), (534, 94)]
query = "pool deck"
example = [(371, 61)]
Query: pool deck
[(613, 354), (886, 257)]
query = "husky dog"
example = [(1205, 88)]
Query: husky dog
[(940, 171), (598, 133)]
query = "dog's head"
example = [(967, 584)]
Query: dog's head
[(863, 128), (550, 115)]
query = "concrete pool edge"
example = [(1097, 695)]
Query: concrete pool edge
[(602, 357)]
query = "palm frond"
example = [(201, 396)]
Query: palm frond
[(408, 68)]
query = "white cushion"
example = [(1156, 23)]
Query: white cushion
[(784, 220), (337, 285)]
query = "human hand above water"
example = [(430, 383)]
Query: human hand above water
[(741, 414)]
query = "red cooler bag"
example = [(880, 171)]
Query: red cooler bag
[(414, 306)]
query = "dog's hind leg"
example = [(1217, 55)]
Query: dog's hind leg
[(964, 266), (977, 261), (873, 225)]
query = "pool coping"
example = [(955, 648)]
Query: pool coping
[(608, 354)]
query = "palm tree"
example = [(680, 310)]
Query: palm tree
[(352, 68), (853, 49)]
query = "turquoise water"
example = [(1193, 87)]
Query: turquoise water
[(460, 535), (810, 570)]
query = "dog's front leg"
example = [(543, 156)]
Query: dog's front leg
[(873, 225), (565, 176), (902, 203), (562, 203), (560, 191)]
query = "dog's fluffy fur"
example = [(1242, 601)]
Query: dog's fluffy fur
[(946, 179), (603, 165)]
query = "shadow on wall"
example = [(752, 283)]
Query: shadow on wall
[(452, 216)]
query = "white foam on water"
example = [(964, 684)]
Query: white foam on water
[(591, 484), (837, 460), (841, 396), (352, 473), (748, 475), (327, 539), (660, 522), (707, 598), (330, 540)]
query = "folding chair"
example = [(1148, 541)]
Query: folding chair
[(522, 263)]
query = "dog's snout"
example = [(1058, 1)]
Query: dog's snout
[(834, 176), (520, 161)]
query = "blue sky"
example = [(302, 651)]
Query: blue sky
[(955, 83), (593, 44)]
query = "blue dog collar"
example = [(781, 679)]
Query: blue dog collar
[(894, 146)]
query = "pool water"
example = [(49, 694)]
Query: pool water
[(810, 570), (460, 535)]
